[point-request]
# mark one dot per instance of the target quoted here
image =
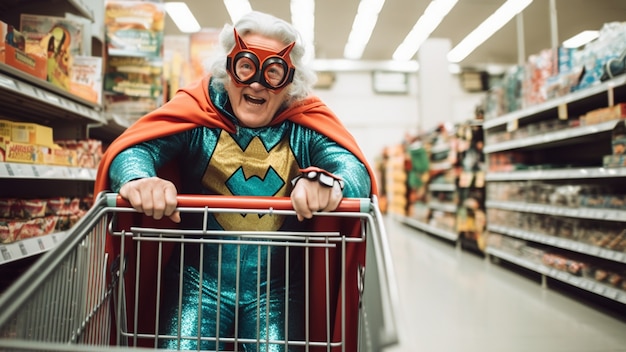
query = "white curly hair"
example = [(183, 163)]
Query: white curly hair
[(272, 27)]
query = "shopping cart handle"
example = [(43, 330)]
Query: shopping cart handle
[(361, 205)]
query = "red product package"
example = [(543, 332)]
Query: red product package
[(31, 228), (33, 208)]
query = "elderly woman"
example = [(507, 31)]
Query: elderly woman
[(250, 128)]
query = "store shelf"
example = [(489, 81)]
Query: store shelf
[(45, 172), (577, 281), (558, 174), (597, 90), (24, 96), (57, 8), (441, 187), (564, 243), (29, 247), (449, 235), (552, 137), (445, 207), (579, 213)]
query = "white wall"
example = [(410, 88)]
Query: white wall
[(379, 120)]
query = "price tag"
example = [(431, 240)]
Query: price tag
[(562, 109), (4, 172), (52, 98), (7, 82), (6, 255), (512, 125), (9, 170), (24, 170), (23, 249)]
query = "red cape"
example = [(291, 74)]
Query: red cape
[(190, 107)]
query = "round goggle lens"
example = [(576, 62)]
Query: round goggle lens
[(274, 74), (245, 68)]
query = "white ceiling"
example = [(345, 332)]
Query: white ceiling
[(333, 20)]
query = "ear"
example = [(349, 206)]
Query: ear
[(286, 50), (239, 43)]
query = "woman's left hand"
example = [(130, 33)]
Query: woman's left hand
[(309, 196)]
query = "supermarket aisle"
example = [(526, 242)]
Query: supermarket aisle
[(454, 301)]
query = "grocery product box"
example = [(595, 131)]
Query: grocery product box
[(614, 160), (3, 35), (18, 152), (31, 133), (55, 38), (86, 78), (58, 156), (13, 53), (5, 128), (618, 138), (617, 111)]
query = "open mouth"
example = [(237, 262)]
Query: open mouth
[(253, 100)]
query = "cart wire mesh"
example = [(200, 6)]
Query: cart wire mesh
[(77, 297)]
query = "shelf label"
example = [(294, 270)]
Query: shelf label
[(512, 125), (23, 249), (7, 82), (563, 112), (9, 169), (6, 255)]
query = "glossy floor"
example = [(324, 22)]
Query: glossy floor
[(455, 301)]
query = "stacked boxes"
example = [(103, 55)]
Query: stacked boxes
[(31, 143), (618, 145)]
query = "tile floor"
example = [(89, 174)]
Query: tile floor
[(455, 301)]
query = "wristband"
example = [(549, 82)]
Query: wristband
[(324, 177)]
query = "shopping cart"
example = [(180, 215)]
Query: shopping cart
[(91, 292)]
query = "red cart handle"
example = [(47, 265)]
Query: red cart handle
[(361, 205)]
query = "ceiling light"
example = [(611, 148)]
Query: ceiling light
[(425, 25), (486, 29), (362, 28), (581, 39), (303, 18), (182, 17), (237, 8)]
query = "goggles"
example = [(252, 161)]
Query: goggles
[(247, 64)]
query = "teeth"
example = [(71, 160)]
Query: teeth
[(254, 100)]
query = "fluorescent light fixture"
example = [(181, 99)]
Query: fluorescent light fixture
[(303, 18), (362, 28), (486, 29), (182, 17), (425, 25), (581, 39), (237, 8)]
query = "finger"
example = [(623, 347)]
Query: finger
[(128, 192), (171, 203), (175, 217), (335, 197), (323, 197), (299, 201)]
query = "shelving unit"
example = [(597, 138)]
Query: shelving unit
[(570, 156), (436, 201), (25, 98)]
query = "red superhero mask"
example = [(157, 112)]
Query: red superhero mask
[(247, 64)]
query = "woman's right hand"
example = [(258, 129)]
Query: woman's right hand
[(152, 196)]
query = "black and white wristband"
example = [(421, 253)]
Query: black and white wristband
[(324, 177)]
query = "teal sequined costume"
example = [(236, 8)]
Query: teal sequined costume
[(252, 161)]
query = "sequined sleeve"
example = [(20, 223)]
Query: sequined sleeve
[(330, 156), (142, 160)]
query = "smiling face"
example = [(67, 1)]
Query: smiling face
[(254, 104)]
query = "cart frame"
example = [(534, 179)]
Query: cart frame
[(65, 300)]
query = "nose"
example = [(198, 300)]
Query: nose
[(256, 86)]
